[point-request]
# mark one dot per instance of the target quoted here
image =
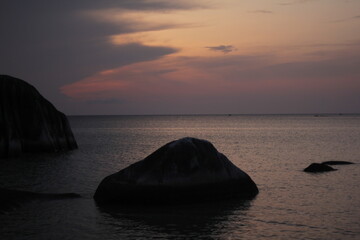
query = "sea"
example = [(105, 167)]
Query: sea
[(272, 149)]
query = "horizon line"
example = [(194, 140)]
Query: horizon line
[(219, 114)]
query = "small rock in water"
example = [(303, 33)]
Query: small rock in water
[(337, 163), (186, 170), (318, 167)]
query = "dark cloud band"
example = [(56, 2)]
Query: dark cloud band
[(222, 48)]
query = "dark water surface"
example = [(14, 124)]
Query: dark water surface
[(273, 150)]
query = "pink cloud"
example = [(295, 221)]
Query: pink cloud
[(202, 81)]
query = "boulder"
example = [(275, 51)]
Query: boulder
[(337, 163), (29, 122), (318, 167), (186, 170)]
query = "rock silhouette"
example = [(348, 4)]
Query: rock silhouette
[(318, 167), (186, 170), (29, 122)]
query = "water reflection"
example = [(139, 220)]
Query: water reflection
[(206, 220)]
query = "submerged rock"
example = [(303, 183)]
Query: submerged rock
[(29, 122), (318, 167), (186, 170), (10, 198), (337, 163)]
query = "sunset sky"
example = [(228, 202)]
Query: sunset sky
[(186, 57)]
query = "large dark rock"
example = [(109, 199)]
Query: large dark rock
[(186, 170), (29, 122), (318, 167)]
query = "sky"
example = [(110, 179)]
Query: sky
[(92, 57)]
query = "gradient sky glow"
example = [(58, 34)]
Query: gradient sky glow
[(186, 57)]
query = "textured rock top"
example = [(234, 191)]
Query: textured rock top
[(185, 161)]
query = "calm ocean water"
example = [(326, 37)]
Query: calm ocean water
[(273, 150)]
